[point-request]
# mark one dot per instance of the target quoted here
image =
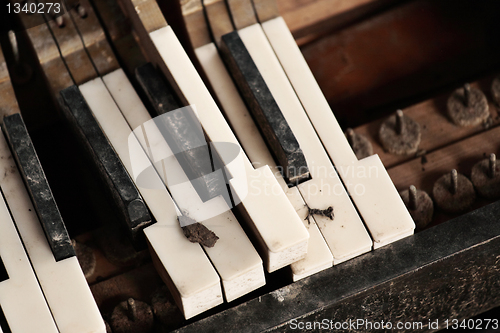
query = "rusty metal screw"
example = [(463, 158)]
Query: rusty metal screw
[(486, 177), (132, 316), (468, 106), (453, 192), (420, 206), (399, 134)]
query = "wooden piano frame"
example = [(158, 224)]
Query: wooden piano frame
[(449, 271)]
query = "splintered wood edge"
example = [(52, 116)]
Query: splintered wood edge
[(242, 13), (9, 102), (196, 25), (266, 10), (218, 19)]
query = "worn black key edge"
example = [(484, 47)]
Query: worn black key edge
[(264, 109), (38, 187), (4, 325), (184, 135), (126, 196), (3, 271)]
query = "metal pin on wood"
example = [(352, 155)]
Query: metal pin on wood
[(486, 178), (492, 166), (413, 197), (359, 143), (420, 206), (454, 181), (453, 192), (468, 106), (399, 134), (131, 309), (400, 125), (132, 316), (467, 95)]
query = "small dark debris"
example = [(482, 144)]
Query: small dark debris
[(328, 212), (197, 232), (421, 153), (423, 159)]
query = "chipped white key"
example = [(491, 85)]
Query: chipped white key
[(21, 299), (318, 256), (346, 235), (186, 267), (282, 236), (63, 283), (233, 256), (387, 220)]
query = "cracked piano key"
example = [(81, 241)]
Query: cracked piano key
[(184, 135), (38, 187), (195, 282), (346, 235), (384, 213), (233, 256), (318, 255), (62, 282), (130, 203), (20, 293), (282, 236)]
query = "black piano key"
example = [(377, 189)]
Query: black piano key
[(129, 202), (38, 186), (264, 109), (4, 325), (184, 135), (3, 272)]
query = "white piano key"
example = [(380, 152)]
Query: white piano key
[(346, 235), (195, 280), (387, 220), (283, 237), (318, 256), (378, 201), (308, 91), (21, 298), (233, 256), (63, 284)]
